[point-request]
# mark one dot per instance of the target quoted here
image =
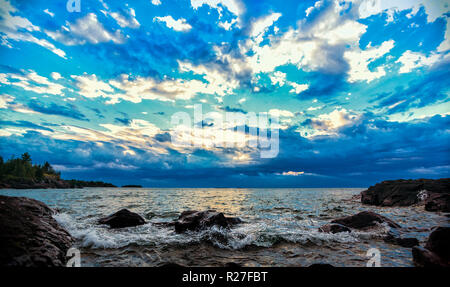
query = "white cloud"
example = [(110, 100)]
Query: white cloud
[(280, 113), (292, 173), (234, 6), (298, 88), (177, 25), (5, 100), (445, 45), (31, 81), (17, 28), (360, 59), (278, 78), (86, 30), (329, 124), (139, 88), (413, 60), (55, 76), (433, 9), (261, 25), (156, 2), (46, 11), (129, 20)]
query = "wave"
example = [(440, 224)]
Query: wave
[(263, 233)]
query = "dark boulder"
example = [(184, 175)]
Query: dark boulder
[(29, 236), (438, 202), (436, 193), (364, 219), (122, 218), (436, 251), (334, 228), (196, 220), (402, 241)]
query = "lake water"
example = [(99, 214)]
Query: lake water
[(279, 229)]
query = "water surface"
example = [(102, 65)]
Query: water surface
[(280, 226)]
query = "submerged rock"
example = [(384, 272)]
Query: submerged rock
[(29, 236), (402, 241), (435, 193), (436, 251), (122, 218), (334, 228), (196, 220), (364, 219)]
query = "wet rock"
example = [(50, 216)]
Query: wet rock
[(334, 228), (423, 257), (438, 202), (196, 220), (436, 193), (122, 218), (364, 219), (402, 241), (171, 265), (29, 236), (436, 251), (232, 265), (321, 265)]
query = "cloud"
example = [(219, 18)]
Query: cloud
[(5, 101), (360, 59), (46, 11), (128, 21), (18, 29), (445, 44), (86, 30), (412, 60), (234, 6), (330, 124), (177, 25), (156, 2), (58, 110), (31, 81)]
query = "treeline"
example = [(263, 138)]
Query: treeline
[(22, 173)]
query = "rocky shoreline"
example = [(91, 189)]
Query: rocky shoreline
[(50, 183), (434, 194), (29, 236)]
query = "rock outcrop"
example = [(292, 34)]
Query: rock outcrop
[(437, 249), (334, 228), (364, 219), (197, 220), (122, 218), (29, 236), (434, 193)]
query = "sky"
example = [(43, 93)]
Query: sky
[(358, 90)]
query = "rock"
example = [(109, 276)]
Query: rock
[(439, 242), (122, 218), (321, 265), (436, 251), (423, 257), (364, 219), (171, 265), (401, 192), (334, 228), (29, 236), (402, 241), (438, 202), (196, 220), (232, 265)]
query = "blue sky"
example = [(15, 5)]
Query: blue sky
[(361, 89)]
